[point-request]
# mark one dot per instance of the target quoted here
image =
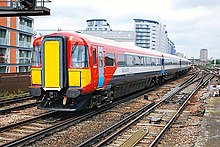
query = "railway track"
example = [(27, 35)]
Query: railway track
[(35, 131), (17, 103), (148, 123), (15, 99), (40, 127)]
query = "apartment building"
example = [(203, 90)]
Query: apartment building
[(152, 35), (15, 43), (204, 55)]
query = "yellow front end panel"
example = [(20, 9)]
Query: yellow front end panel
[(36, 76), (52, 64), (79, 77)]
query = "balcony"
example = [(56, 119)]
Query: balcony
[(23, 60), (3, 41), (25, 44), (4, 60), (25, 28), (142, 42)]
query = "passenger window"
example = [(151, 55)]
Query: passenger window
[(148, 61), (94, 56), (109, 59), (137, 61), (130, 61), (153, 61), (121, 60), (142, 60)]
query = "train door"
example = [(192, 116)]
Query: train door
[(52, 64), (95, 66), (100, 67)]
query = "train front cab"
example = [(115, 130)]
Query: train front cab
[(52, 81)]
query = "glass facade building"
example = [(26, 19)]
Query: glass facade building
[(152, 35)]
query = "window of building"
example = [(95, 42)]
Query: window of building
[(2, 69), (79, 56), (28, 38), (23, 68), (29, 23), (21, 21), (90, 23), (21, 37), (24, 57), (109, 59), (121, 60), (2, 33), (2, 56)]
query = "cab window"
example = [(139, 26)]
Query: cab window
[(79, 56), (36, 56)]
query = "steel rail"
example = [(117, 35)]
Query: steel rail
[(8, 110), (5, 128), (168, 125), (71, 121), (14, 100), (191, 78), (132, 120)]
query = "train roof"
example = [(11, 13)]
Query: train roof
[(99, 40), (131, 47)]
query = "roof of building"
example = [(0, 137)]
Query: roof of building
[(96, 20), (150, 21)]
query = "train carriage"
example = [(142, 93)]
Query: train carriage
[(73, 71)]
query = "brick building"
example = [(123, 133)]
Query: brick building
[(15, 43)]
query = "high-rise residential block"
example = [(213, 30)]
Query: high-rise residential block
[(15, 43)]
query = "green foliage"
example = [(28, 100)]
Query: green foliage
[(7, 94), (20, 91), (217, 61)]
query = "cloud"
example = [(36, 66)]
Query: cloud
[(184, 4), (191, 24)]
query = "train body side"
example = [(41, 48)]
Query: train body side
[(72, 71)]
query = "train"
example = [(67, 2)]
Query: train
[(72, 71)]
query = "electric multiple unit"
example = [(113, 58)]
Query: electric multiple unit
[(72, 71)]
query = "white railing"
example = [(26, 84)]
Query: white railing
[(4, 60), (25, 44), (3, 41), (25, 28), (23, 60)]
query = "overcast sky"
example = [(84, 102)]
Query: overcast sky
[(191, 24)]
